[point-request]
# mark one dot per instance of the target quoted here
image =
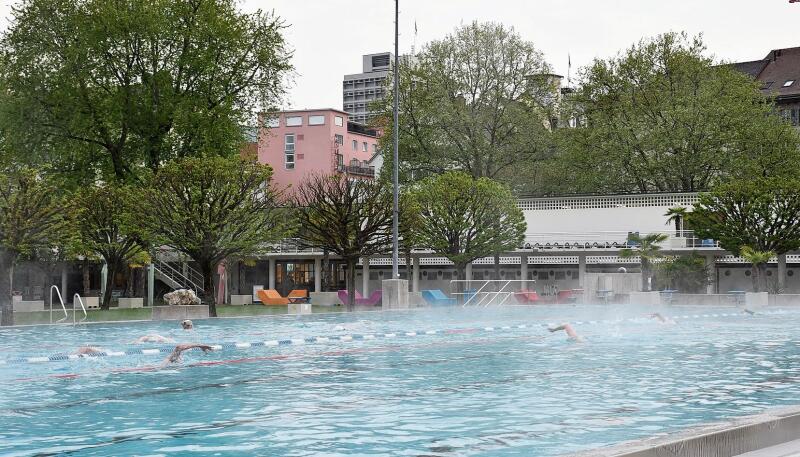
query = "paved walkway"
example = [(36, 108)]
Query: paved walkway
[(790, 449)]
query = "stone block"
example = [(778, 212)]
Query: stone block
[(28, 306), (241, 299), (325, 298), (395, 294), (131, 302), (299, 308), (180, 312)]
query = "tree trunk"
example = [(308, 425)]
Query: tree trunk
[(141, 282), (113, 267), (86, 277), (409, 271), (460, 286), (645, 275), (759, 273), (7, 260), (129, 283), (351, 284), (326, 271), (208, 287), (497, 266)]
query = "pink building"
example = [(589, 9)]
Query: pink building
[(299, 143)]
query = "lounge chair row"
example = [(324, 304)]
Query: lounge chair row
[(271, 297)]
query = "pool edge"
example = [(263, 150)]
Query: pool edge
[(719, 439)]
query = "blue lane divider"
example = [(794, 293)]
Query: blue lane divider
[(356, 337)]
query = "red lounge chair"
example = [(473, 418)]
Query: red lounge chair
[(527, 297)]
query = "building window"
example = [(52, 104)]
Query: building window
[(294, 121), (796, 116), (788, 83), (288, 151), (273, 122), (316, 120), (355, 145), (374, 148), (365, 147), (338, 120), (339, 139)]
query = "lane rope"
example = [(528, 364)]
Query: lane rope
[(60, 357)]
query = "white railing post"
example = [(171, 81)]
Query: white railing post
[(61, 300)]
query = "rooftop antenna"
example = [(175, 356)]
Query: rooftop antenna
[(414, 43), (569, 69)]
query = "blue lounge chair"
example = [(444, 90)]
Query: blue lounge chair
[(437, 298)]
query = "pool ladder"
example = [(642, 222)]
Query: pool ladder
[(75, 300)]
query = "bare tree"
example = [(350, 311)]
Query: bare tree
[(348, 217)]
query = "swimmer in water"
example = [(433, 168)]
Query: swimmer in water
[(187, 325), (89, 350), (175, 356), (662, 319), (153, 339), (572, 335), (750, 312)]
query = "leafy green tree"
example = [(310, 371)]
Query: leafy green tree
[(478, 101), (687, 273), (31, 219), (109, 86), (351, 218), (465, 219), (105, 229), (763, 214), (211, 209), (759, 261), (648, 249), (663, 117)]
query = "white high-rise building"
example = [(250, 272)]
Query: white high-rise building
[(361, 89)]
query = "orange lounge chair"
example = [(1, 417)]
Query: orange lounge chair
[(271, 297), (298, 296)]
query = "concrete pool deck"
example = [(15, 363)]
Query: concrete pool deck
[(772, 433)]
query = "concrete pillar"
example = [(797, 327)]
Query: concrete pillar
[(151, 284), (415, 275), (317, 275), (395, 294), (581, 271), (781, 273), (271, 274), (711, 265), (103, 279), (185, 270), (63, 281), (523, 268), (365, 276)]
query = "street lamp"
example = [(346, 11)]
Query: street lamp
[(395, 135)]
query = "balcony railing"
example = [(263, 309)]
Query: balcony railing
[(356, 170), (683, 239)]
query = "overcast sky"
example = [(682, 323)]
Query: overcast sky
[(329, 36)]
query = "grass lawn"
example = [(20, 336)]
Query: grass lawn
[(137, 314)]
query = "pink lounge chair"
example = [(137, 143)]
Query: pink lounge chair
[(372, 300)]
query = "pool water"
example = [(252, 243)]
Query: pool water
[(472, 387)]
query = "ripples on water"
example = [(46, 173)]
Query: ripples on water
[(515, 392)]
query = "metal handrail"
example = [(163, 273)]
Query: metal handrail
[(177, 276), (75, 300), (61, 300), (487, 297)]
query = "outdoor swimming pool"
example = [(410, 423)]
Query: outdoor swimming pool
[(470, 388)]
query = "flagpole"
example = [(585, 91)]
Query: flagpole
[(395, 166)]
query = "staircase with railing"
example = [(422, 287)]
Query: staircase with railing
[(189, 278)]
